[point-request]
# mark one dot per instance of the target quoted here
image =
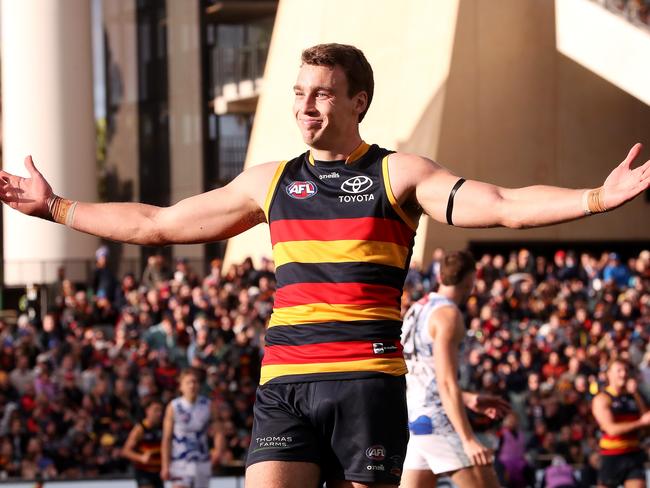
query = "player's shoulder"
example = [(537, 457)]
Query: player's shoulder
[(262, 170), (404, 161), (255, 180), (602, 398), (407, 170), (446, 310), (446, 316)]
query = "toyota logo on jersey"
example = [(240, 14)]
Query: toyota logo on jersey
[(301, 190), (356, 184)]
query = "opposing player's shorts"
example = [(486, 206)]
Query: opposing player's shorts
[(355, 430), (190, 473), (437, 453), (615, 470)]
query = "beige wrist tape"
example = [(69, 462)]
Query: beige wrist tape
[(592, 201), (61, 210)]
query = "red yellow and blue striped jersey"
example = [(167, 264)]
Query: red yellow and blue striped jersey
[(624, 409), (342, 246)]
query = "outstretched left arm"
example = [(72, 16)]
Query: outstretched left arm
[(478, 204)]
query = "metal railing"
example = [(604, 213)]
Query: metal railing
[(46, 271), (81, 270), (236, 64), (232, 154)]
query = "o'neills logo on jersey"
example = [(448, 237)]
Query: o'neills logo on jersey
[(301, 190), (329, 176)]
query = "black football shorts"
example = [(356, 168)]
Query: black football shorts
[(615, 470), (355, 430)]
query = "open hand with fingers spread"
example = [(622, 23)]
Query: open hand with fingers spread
[(624, 182), (27, 195)]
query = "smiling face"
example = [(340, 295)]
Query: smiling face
[(325, 113)]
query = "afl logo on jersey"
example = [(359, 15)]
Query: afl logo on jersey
[(356, 184), (301, 190)]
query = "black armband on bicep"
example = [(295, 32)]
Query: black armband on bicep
[(450, 202)]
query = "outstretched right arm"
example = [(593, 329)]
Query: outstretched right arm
[(211, 216)]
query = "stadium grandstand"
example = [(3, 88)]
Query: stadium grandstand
[(73, 382)]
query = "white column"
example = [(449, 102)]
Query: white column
[(47, 110)]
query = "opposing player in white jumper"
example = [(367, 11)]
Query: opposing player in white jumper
[(442, 441), (186, 458)]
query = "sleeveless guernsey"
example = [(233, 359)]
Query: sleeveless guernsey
[(624, 409), (149, 442), (342, 246), (425, 410), (190, 432)]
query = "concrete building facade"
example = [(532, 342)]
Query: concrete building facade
[(479, 87)]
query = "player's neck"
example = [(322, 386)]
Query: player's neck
[(337, 151), (450, 293), (190, 399), (614, 390)]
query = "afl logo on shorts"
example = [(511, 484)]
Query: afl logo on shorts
[(301, 190), (376, 453), (356, 184)]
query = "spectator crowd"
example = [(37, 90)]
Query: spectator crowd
[(636, 11), (541, 331), (541, 334)]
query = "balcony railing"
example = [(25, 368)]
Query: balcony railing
[(232, 65), (232, 154)]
